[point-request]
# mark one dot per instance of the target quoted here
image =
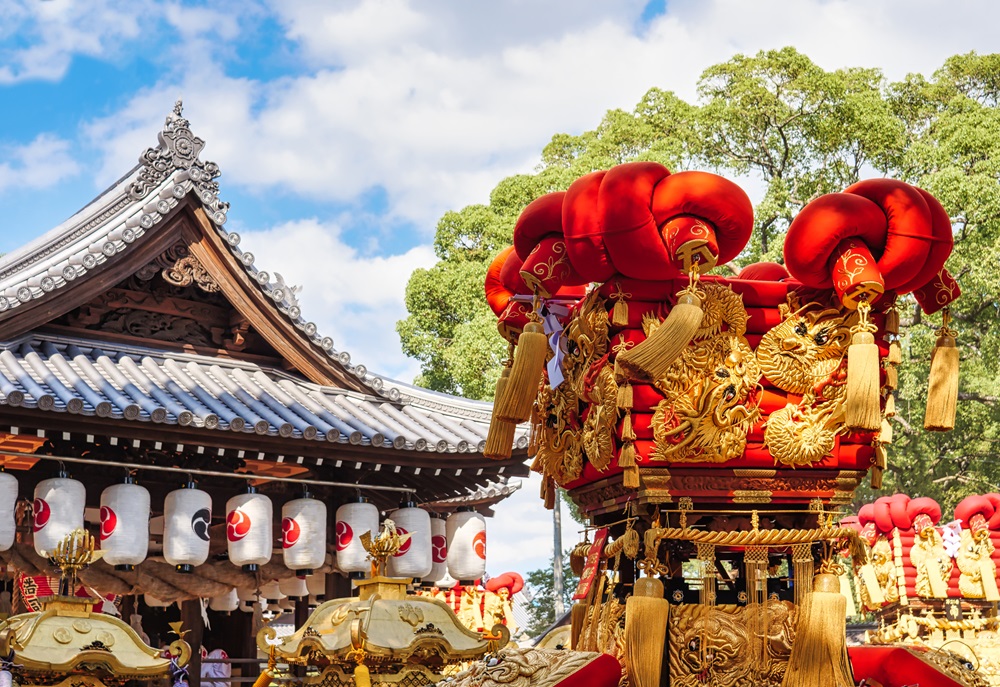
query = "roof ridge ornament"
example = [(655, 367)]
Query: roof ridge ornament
[(179, 149)]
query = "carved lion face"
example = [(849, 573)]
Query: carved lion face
[(805, 349)]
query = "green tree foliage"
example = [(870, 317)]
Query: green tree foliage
[(541, 610), (789, 131)]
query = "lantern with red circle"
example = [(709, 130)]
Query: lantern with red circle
[(466, 545), (353, 520), (125, 524), (303, 534), (187, 514), (8, 501), (248, 529), (439, 550), (58, 510), (414, 557)]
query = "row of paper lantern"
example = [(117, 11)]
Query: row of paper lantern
[(274, 595), (436, 549)]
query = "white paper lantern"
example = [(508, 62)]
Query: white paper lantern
[(303, 534), (466, 545), (414, 557), (8, 502), (187, 514), (271, 591), (248, 529), (294, 587), (316, 585), (439, 551), (58, 510), (226, 602), (247, 597), (286, 606), (125, 524), (353, 520)]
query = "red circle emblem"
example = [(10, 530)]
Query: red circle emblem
[(237, 525), (406, 544), (290, 532), (109, 521), (439, 548), (344, 535), (41, 513), (479, 544)]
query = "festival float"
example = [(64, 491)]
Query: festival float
[(712, 423)]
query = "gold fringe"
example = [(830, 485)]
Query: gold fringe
[(819, 653), (646, 620), (876, 477), (942, 387), (500, 438), (755, 559), (630, 478), (863, 411), (802, 569), (518, 394), (651, 358)]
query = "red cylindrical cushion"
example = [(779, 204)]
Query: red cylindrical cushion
[(540, 218), (603, 671), (497, 293), (816, 232), (940, 291), (547, 268), (973, 505), (723, 205), (645, 397), (582, 227), (631, 232), (994, 521), (866, 514), (909, 232), (881, 514), (942, 242), (510, 273), (924, 505), (764, 271), (897, 511)]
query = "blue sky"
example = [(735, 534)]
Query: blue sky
[(344, 129)]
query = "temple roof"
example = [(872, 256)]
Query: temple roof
[(243, 372)]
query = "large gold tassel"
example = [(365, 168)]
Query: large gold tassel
[(500, 438), (646, 621), (863, 412), (651, 358), (819, 652), (577, 619), (942, 388), (514, 402), (264, 679)]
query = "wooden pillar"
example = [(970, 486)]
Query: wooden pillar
[(191, 617), (249, 644), (127, 608), (337, 586)]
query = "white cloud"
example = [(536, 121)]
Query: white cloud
[(42, 163), (520, 534), (353, 298)]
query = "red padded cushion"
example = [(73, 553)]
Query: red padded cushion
[(540, 218), (764, 271), (603, 671), (924, 505), (631, 232), (582, 227)]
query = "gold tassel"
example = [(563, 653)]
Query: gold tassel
[(885, 433), (755, 559), (628, 433), (942, 388), (863, 412), (626, 459), (518, 394), (819, 653), (651, 358), (890, 405), (264, 679), (895, 356), (619, 313), (500, 438), (891, 378), (578, 617), (625, 396), (802, 570), (879, 466), (548, 492), (892, 320), (646, 621), (362, 676)]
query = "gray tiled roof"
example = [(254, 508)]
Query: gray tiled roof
[(68, 375)]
